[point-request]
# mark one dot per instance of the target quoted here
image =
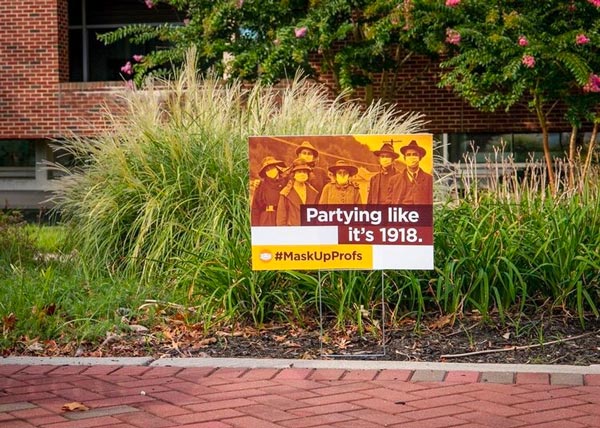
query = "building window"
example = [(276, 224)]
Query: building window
[(17, 158), (90, 59), (490, 147)]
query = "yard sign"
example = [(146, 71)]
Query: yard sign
[(341, 202)]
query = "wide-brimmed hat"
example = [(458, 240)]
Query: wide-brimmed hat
[(387, 149), (300, 165), (413, 146), (307, 145), (352, 170), (267, 162)]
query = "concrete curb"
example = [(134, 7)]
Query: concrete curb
[(74, 361), (310, 364)]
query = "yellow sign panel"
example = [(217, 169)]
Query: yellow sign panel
[(323, 257)]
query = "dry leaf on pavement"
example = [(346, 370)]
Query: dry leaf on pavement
[(75, 407)]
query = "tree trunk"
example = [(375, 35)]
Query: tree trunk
[(590, 154), (368, 94), (572, 151), (545, 141), (328, 60)]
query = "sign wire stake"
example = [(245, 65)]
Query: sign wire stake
[(322, 331)]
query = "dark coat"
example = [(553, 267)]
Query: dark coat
[(265, 200), (318, 178), (379, 185), (417, 192), (288, 208)]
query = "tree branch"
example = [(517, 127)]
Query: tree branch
[(514, 348)]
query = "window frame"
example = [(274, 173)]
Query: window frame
[(85, 28), (27, 172)]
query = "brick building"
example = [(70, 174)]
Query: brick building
[(56, 79)]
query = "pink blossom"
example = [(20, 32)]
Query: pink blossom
[(127, 68), (149, 4), (452, 36), (452, 3), (186, 21), (528, 61), (523, 41), (581, 39), (300, 32), (595, 2), (138, 58), (593, 84)]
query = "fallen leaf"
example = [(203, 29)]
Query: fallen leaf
[(110, 338), (343, 343), (35, 347), (50, 346), (506, 335), (138, 329), (75, 407), (8, 322), (50, 309), (204, 343), (442, 322), (307, 356)]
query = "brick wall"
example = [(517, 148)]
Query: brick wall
[(84, 106), (417, 91), (63, 40), (29, 67), (37, 101)]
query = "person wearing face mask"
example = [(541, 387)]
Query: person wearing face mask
[(318, 177), (266, 195), (296, 193), (413, 186), (379, 183), (342, 191)]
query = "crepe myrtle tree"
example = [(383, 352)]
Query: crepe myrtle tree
[(242, 31), (356, 41), (497, 53)]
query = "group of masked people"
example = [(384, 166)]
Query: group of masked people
[(392, 186), (281, 191)]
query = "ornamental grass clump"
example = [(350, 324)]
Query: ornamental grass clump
[(164, 194)]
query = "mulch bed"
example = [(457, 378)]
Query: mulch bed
[(545, 340)]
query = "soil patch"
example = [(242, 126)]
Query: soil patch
[(551, 340)]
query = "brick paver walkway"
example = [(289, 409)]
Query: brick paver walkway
[(146, 397)]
